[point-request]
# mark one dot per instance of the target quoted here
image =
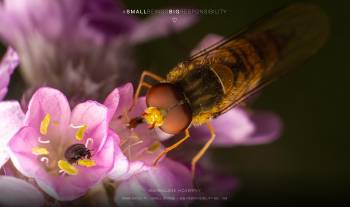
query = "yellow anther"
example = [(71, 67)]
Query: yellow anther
[(67, 167), (154, 147), (86, 163), (44, 125), (154, 116), (40, 151), (79, 135)]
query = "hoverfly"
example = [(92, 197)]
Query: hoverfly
[(222, 76)]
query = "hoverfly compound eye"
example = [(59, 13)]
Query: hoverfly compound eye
[(166, 97)]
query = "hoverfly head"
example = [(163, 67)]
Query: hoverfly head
[(167, 108)]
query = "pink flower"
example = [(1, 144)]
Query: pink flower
[(65, 151), (134, 174), (81, 47), (140, 146)]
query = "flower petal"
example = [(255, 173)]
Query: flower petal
[(112, 102), (268, 128), (118, 100), (16, 193), (126, 97), (93, 115), (20, 150), (237, 127), (161, 25), (124, 168), (231, 128), (159, 186), (48, 101), (8, 64), (133, 168), (11, 120), (206, 42), (69, 193), (26, 15), (121, 165), (106, 17)]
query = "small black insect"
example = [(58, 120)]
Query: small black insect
[(77, 152)]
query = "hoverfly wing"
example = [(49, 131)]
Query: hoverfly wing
[(264, 51)]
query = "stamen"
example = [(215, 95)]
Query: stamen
[(134, 136), (44, 125), (67, 167), (139, 153), (123, 142), (129, 153), (86, 163), (76, 126), (129, 148), (40, 140), (136, 143), (89, 142), (131, 145), (40, 151), (79, 135), (154, 147), (45, 159)]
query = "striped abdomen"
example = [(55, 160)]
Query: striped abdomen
[(227, 71)]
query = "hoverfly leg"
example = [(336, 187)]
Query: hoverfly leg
[(200, 154), (142, 83), (168, 149), (138, 90)]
